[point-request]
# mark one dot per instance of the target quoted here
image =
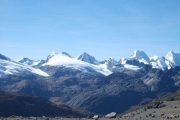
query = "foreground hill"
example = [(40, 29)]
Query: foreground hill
[(22, 105), (167, 107)]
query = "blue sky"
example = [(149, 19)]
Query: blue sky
[(103, 28)]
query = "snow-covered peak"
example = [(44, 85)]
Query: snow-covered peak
[(154, 58), (123, 61), (60, 59), (112, 61), (170, 55), (52, 54), (56, 54), (10, 67), (30, 62), (173, 59), (159, 63), (141, 56), (112, 65), (88, 58), (170, 60), (26, 61)]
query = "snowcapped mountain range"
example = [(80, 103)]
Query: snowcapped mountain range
[(10, 67), (170, 60), (61, 59), (78, 81), (86, 63)]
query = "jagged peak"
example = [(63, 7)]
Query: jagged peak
[(141, 56), (170, 54), (173, 58), (86, 54), (123, 60), (87, 58), (138, 53), (111, 59)]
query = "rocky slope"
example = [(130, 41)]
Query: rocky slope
[(166, 107), (23, 105)]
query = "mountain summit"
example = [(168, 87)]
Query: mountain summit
[(64, 60), (173, 58), (30, 62), (87, 58), (26, 61), (141, 56)]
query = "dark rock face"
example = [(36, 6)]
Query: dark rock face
[(22, 105), (26, 61), (134, 62), (88, 58), (4, 57), (116, 93), (104, 104), (30, 62)]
